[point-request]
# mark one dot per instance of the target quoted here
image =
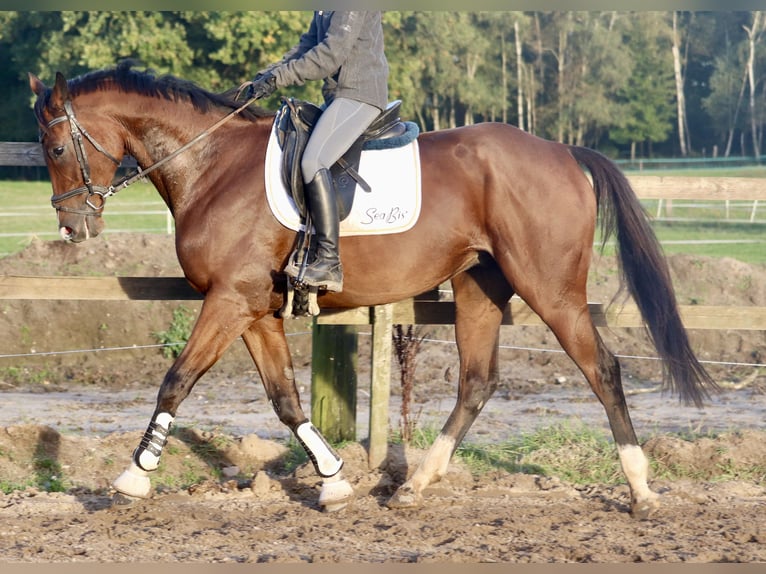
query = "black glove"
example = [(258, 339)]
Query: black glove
[(262, 86)]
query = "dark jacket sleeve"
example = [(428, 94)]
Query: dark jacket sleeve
[(326, 57)]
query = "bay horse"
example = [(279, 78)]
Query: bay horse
[(502, 212)]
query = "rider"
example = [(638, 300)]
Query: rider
[(345, 49)]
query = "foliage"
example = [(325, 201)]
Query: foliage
[(602, 79), (406, 346), (177, 334)]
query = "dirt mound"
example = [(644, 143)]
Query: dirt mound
[(238, 506), (35, 327)]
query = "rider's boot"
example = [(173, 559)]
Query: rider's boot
[(325, 271)]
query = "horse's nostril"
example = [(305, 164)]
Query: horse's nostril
[(65, 232)]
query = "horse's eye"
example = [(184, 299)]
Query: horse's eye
[(57, 151)]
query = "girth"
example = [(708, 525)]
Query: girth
[(294, 123)]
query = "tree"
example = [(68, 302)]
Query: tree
[(606, 79), (738, 70), (754, 34), (649, 92), (679, 79), (405, 63)]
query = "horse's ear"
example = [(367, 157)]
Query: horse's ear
[(36, 84), (60, 92)]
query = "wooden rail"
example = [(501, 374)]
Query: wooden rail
[(424, 310), (28, 154)]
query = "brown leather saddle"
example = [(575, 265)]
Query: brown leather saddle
[(294, 122)]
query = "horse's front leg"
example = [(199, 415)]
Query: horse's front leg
[(265, 339), (222, 319)]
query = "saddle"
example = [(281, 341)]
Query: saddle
[(294, 122)]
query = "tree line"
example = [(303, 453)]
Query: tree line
[(631, 84)]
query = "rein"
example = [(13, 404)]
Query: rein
[(78, 132)]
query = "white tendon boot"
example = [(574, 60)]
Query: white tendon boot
[(146, 458), (336, 491)]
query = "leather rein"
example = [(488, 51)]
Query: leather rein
[(100, 192)]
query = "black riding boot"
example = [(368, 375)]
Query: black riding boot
[(325, 271)]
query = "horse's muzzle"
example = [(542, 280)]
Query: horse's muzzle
[(77, 232)]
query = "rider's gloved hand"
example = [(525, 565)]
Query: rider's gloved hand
[(262, 86)]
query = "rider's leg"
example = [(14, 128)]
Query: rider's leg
[(339, 126)]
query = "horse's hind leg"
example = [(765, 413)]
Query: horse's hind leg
[(562, 304), (265, 339), (221, 320), (481, 294), (578, 336)]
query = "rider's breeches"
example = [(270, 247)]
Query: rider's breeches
[(338, 128)]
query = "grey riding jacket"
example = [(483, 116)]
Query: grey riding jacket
[(346, 50)]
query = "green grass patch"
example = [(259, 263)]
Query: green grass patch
[(577, 454), (26, 213), (742, 241)]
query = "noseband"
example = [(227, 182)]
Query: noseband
[(78, 132)]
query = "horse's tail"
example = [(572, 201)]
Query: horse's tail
[(645, 271)]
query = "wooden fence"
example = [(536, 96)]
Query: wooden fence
[(424, 310)]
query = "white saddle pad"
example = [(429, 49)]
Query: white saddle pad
[(393, 205)]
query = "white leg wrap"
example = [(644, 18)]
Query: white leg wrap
[(133, 482), (147, 455), (325, 459)]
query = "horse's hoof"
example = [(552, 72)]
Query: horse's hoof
[(335, 496), (120, 499), (405, 498), (643, 509), (133, 482)]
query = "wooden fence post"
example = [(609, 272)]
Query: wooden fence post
[(380, 384), (333, 381)]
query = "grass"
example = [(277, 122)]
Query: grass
[(26, 213), (577, 454)]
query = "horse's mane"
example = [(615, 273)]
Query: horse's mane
[(145, 82)]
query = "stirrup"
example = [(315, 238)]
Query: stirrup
[(299, 301)]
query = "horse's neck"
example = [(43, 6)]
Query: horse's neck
[(156, 132)]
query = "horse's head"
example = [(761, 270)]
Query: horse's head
[(81, 162)]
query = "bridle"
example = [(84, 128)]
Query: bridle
[(78, 132)]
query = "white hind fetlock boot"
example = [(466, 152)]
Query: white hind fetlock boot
[(133, 482)]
